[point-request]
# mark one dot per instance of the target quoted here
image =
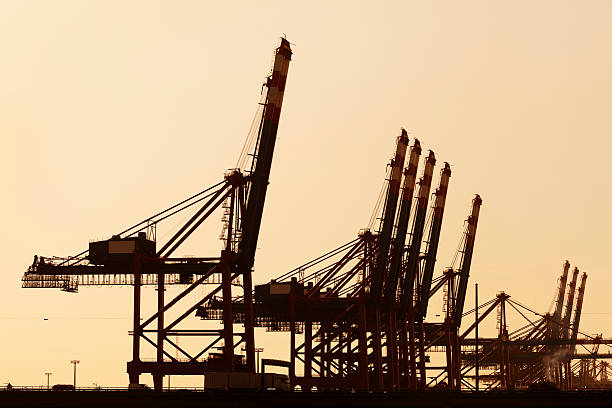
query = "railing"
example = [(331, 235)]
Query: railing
[(43, 388), (72, 282)]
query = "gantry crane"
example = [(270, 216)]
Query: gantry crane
[(388, 221), (131, 257), (395, 335), (406, 313), (426, 277), (454, 281)]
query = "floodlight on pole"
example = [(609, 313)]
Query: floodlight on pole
[(75, 362)]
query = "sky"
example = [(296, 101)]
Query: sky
[(113, 110)]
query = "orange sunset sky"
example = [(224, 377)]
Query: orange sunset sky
[(113, 110)]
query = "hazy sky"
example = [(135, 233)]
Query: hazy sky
[(112, 110)]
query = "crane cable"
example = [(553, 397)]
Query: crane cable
[(252, 135)]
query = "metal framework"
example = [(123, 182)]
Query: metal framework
[(131, 258), (356, 314), (539, 352)]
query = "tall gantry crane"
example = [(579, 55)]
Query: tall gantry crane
[(454, 282), (426, 276), (406, 313), (395, 335), (131, 257)]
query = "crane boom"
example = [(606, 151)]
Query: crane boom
[(417, 233), (267, 139), (402, 223), (568, 305), (560, 298), (466, 260), (578, 311), (259, 186), (433, 240), (384, 238)]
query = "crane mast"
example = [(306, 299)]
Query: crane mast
[(259, 186), (265, 150), (568, 306), (466, 261), (578, 311), (556, 328), (402, 224), (433, 240), (417, 233), (384, 238)]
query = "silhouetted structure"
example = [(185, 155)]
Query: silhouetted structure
[(355, 315)]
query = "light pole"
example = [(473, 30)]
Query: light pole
[(176, 340), (476, 334), (48, 375), (257, 351), (74, 362)]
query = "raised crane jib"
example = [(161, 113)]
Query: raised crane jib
[(568, 305), (265, 150), (578, 311), (556, 328), (433, 240), (251, 221), (384, 237), (410, 271), (401, 230), (466, 259)]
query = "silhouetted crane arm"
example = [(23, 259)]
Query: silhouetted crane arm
[(578, 311), (433, 240), (384, 237), (569, 304), (556, 328), (256, 197), (263, 157), (407, 291), (466, 259), (399, 243)]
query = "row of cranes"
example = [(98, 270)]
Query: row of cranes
[(356, 315), (560, 326), (542, 351)]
